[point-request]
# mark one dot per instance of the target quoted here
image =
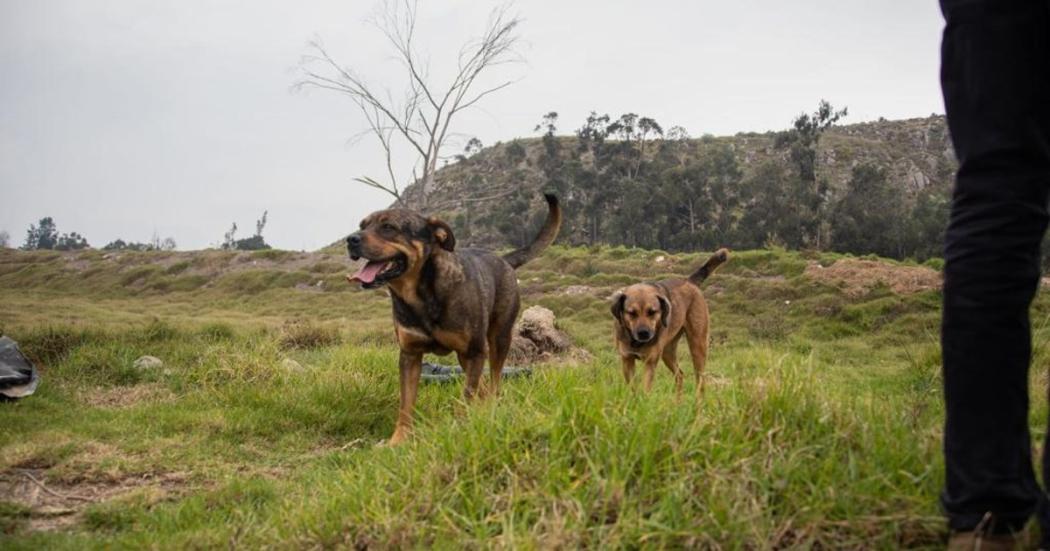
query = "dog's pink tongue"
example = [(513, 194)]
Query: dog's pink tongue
[(368, 272)]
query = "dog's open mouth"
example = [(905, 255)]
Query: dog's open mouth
[(377, 272)]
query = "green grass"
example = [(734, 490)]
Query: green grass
[(820, 426)]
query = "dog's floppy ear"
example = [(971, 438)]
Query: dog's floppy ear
[(617, 305), (442, 233), (665, 310)]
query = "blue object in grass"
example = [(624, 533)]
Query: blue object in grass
[(437, 373)]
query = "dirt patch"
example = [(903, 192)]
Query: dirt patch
[(857, 277), (311, 287), (124, 396), (56, 504), (580, 290), (537, 339)]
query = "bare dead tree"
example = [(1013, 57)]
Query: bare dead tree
[(421, 119)]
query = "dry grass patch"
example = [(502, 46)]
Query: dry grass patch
[(304, 334), (857, 277), (124, 396)]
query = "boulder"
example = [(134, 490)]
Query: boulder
[(537, 338)]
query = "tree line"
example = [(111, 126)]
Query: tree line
[(628, 181), (44, 235)]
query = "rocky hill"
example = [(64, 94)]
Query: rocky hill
[(913, 156), (916, 152)]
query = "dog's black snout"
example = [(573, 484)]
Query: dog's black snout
[(353, 245), (643, 335)]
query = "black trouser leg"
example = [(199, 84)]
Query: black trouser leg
[(994, 74)]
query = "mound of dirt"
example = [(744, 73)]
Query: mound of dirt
[(857, 277), (537, 339)]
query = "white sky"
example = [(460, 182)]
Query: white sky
[(124, 117)]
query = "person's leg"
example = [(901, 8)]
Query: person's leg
[(995, 67)]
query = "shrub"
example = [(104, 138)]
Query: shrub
[(52, 343), (217, 332), (303, 334), (158, 330), (177, 268), (935, 263)]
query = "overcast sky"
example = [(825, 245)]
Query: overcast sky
[(121, 118)]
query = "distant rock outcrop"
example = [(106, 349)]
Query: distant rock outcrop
[(916, 154)]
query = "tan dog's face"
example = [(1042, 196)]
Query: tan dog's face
[(395, 242), (642, 310)]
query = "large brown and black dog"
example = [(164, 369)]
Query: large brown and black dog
[(652, 317), (444, 300)]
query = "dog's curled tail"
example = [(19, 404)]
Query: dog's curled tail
[(543, 240), (712, 264)]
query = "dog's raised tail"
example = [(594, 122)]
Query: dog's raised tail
[(543, 240), (712, 264)]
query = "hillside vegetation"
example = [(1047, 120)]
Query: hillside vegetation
[(877, 187), (820, 427)]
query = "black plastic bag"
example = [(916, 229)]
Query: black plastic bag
[(18, 376)]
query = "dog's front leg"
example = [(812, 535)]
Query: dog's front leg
[(473, 367), (650, 370), (410, 364), (628, 368)]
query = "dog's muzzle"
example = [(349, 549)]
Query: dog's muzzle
[(353, 246), (643, 335)]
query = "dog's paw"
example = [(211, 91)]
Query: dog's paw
[(395, 439)]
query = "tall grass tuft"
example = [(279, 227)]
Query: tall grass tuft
[(304, 334)]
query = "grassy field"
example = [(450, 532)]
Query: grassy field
[(820, 427)]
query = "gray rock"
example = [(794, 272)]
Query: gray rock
[(148, 363), (537, 338)]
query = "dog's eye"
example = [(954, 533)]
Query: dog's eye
[(632, 314), (387, 226), (652, 312)]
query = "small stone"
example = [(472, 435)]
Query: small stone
[(291, 365), (148, 362)]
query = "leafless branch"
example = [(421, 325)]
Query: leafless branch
[(422, 118)]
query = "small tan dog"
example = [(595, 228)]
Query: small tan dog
[(652, 317)]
